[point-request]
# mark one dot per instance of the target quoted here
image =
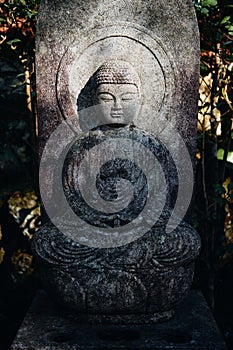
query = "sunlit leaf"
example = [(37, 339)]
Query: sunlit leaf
[(209, 3), (205, 11), (20, 75), (225, 19), (13, 41), (226, 183), (230, 28)]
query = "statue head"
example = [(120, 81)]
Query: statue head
[(116, 92)]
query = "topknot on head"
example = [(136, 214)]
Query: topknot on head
[(116, 72)]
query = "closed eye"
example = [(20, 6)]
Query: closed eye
[(128, 97), (105, 97)]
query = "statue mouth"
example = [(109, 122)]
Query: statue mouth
[(116, 115)]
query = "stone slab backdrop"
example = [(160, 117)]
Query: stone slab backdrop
[(117, 88), (159, 38)]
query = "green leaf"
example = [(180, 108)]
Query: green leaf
[(210, 3), (20, 75), (203, 66), (229, 28), (205, 11), (13, 41), (225, 19), (220, 154)]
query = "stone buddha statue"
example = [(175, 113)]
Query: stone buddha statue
[(115, 91), (142, 278)]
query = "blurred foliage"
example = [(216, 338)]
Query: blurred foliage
[(17, 91), (19, 218), (24, 209), (19, 212), (18, 20), (22, 262), (214, 178)]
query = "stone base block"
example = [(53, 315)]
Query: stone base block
[(192, 327)]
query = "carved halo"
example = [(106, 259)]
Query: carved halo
[(149, 57)]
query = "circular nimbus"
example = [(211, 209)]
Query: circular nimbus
[(151, 58)]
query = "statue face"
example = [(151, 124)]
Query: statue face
[(117, 103)]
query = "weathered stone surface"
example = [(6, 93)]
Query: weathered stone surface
[(117, 102), (192, 328), (141, 269), (143, 277), (159, 38)]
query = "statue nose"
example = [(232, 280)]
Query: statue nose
[(117, 104)]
